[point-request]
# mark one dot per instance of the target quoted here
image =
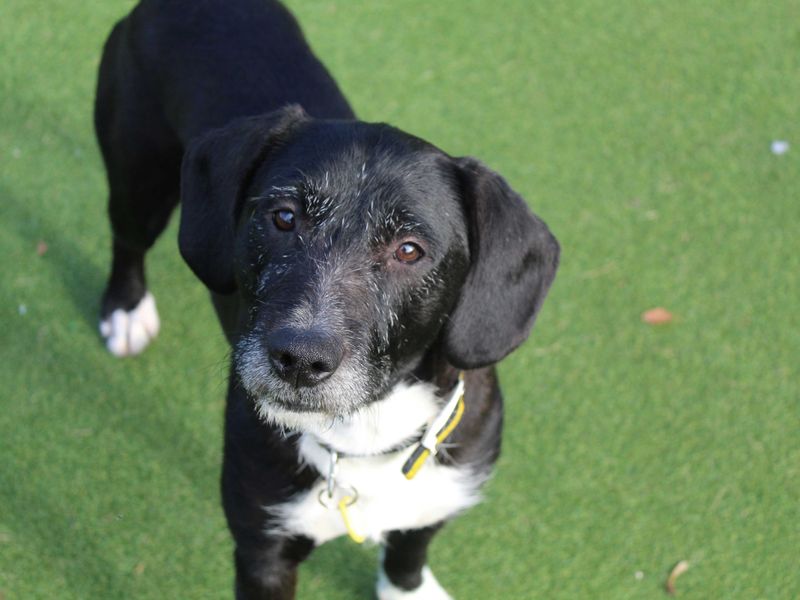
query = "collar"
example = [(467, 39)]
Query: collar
[(427, 444), (438, 431)]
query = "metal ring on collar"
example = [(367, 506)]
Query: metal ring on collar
[(324, 498)]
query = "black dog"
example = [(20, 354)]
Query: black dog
[(366, 280)]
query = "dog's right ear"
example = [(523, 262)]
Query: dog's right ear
[(217, 169)]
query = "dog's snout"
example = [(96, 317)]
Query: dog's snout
[(303, 357)]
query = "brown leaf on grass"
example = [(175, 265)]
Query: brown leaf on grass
[(679, 569), (657, 316), (138, 569), (41, 247)]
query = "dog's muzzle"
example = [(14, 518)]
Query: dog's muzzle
[(303, 358)]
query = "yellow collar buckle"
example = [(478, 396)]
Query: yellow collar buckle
[(443, 425)]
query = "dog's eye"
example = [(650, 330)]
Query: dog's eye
[(283, 219), (408, 252)]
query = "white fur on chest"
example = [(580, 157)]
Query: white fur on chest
[(386, 499)]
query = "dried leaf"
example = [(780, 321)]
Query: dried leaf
[(41, 248), (138, 569), (679, 569), (657, 316)]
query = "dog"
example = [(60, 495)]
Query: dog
[(367, 282)]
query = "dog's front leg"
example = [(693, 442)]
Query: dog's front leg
[(259, 471), (269, 571), (403, 571)]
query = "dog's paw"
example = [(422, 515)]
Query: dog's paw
[(129, 332), (429, 590)]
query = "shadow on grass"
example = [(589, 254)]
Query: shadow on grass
[(78, 272), (133, 402), (135, 398)]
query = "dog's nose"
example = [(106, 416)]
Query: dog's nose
[(303, 357)]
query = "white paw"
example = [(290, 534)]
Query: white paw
[(429, 590), (129, 332)]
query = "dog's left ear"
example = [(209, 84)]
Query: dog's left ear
[(513, 260), (217, 169)]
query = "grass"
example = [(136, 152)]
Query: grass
[(640, 131)]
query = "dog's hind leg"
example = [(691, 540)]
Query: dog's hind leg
[(403, 573), (142, 158)]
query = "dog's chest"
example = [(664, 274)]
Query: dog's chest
[(381, 499)]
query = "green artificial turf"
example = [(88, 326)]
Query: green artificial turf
[(640, 131)]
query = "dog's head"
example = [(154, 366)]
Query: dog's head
[(355, 249)]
